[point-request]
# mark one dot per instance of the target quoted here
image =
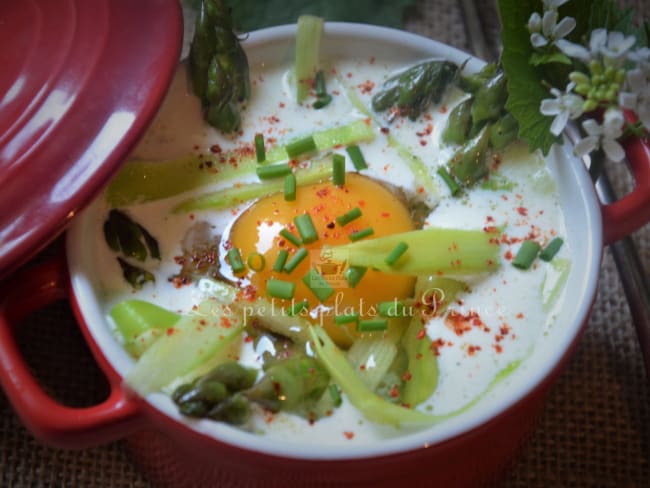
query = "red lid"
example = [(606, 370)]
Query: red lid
[(80, 83)]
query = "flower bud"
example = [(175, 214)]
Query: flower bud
[(579, 78), (595, 67)]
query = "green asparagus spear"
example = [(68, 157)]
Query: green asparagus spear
[(218, 66), (471, 83), (232, 375), (459, 123), (135, 275), (503, 131), (469, 164), (490, 99), (293, 384), (413, 90)]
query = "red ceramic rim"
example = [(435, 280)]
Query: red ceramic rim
[(81, 82)]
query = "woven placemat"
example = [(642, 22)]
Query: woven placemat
[(594, 432)]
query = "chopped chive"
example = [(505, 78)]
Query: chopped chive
[(338, 169), (374, 325), (280, 289), (321, 90), (335, 394), (396, 253), (454, 187), (354, 274), (323, 101), (295, 260), (273, 171), (360, 234), (306, 228), (551, 249), (526, 255), (348, 217), (256, 261), (292, 238), (318, 285), (347, 318), (278, 266), (298, 308), (358, 161), (392, 309), (290, 187), (234, 258), (301, 146), (260, 152)]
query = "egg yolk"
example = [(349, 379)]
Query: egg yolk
[(257, 231)]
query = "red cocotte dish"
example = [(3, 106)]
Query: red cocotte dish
[(502, 342)]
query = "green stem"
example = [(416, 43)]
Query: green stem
[(142, 181)]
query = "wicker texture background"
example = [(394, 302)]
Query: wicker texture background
[(595, 431)]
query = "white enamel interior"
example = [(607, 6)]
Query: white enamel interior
[(583, 221)]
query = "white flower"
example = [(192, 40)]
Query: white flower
[(552, 31), (638, 98), (641, 56), (617, 46), (604, 136), (564, 106), (534, 23), (612, 46)]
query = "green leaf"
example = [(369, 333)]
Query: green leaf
[(254, 14), (525, 88), (537, 59)]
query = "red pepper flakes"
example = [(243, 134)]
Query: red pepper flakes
[(420, 189), (248, 293), (497, 348), (443, 109), (248, 339), (421, 334), (170, 331), (385, 130), (323, 192), (523, 211), (361, 203), (437, 345), (281, 105), (520, 315), (366, 87), (348, 74), (367, 121), (508, 255), (348, 435), (489, 229), (406, 376), (423, 142), (394, 392), (471, 349), (504, 329), (504, 198), (225, 322), (385, 214), (180, 281)]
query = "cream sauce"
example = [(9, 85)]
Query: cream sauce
[(507, 302)]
